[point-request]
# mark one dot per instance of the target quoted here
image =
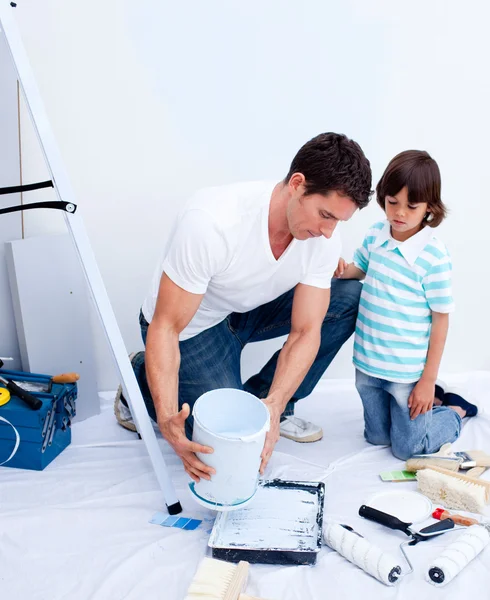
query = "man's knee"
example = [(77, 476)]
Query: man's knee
[(349, 288), (345, 295)]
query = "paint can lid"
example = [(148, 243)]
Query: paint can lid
[(408, 506)]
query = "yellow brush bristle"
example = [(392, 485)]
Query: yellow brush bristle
[(481, 458), (416, 464), (218, 580), (453, 490)]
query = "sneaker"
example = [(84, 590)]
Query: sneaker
[(121, 408), (299, 430)]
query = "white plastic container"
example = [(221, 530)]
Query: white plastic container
[(234, 423)]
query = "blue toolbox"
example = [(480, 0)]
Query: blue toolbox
[(35, 418)]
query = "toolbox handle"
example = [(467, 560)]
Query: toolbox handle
[(17, 441)]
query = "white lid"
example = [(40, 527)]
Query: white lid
[(408, 506)]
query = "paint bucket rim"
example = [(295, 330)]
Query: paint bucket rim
[(259, 402), (217, 506)]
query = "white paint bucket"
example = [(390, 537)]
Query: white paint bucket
[(234, 423)]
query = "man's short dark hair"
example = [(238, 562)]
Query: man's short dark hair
[(331, 162)]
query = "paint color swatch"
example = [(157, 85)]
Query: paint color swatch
[(398, 476), (178, 522)]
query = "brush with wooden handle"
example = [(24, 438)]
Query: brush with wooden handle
[(220, 580), (442, 514), (454, 491)]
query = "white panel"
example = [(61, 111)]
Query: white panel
[(79, 236), (51, 306), (10, 224), (142, 126)]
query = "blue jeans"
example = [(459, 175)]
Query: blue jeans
[(211, 359), (387, 419)]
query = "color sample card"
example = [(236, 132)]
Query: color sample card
[(398, 476), (178, 522)]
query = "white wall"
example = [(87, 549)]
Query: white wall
[(152, 100), (10, 224)]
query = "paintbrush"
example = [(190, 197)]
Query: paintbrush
[(454, 490), (442, 514), (447, 459), (218, 580)]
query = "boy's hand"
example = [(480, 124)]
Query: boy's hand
[(341, 267), (422, 398)]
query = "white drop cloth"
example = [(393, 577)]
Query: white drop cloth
[(79, 530)]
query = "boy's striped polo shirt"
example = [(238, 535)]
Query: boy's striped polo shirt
[(405, 282)]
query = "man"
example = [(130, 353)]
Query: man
[(245, 263)]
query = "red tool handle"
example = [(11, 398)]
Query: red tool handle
[(442, 514)]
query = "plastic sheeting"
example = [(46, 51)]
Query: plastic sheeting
[(80, 529)]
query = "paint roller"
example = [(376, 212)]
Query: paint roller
[(383, 567), (458, 555), (357, 550)]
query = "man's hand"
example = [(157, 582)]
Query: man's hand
[(422, 398), (173, 430), (273, 434), (341, 267)]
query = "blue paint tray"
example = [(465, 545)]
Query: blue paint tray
[(282, 526)]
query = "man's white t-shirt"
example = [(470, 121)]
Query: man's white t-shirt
[(220, 248)]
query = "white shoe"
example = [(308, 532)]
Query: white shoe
[(122, 412), (299, 430)]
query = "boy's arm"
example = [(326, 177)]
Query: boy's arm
[(359, 267), (422, 397), (348, 271)]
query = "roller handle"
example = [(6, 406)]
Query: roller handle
[(384, 519), (28, 398), (66, 378), (441, 526), (433, 530)]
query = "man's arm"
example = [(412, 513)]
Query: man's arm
[(310, 305), (422, 397), (174, 309)]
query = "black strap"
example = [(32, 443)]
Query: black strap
[(26, 188), (68, 207)]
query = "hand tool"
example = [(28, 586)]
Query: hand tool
[(28, 398), (416, 536)]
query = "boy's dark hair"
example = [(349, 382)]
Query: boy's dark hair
[(331, 162), (417, 170)]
